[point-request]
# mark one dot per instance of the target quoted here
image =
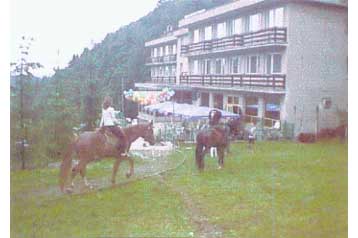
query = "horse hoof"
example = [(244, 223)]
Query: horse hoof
[(90, 186), (220, 167), (69, 190), (128, 175)]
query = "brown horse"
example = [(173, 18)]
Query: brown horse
[(93, 145), (217, 136)]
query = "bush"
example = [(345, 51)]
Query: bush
[(326, 133), (307, 137)]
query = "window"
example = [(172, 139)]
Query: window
[(195, 67), (277, 61), (161, 51), (229, 28), (229, 100), (276, 17), (215, 31), (155, 52), (218, 66), (253, 62), (207, 66), (274, 63), (233, 100), (235, 65), (269, 64), (327, 103), (151, 52), (233, 104), (208, 33), (201, 69), (201, 34), (255, 22), (196, 36), (224, 66), (174, 70), (204, 99), (160, 71), (221, 30), (237, 28), (167, 71), (174, 49)]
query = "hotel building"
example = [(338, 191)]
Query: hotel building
[(279, 60)]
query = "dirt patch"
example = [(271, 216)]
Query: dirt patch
[(144, 167), (204, 229)]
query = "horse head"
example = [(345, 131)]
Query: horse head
[(214, 117), (149, 133), (234, 126)]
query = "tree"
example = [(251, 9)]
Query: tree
[(22, 70)]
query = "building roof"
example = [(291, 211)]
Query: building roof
[(203, 15), (161, 40), (171, 36)]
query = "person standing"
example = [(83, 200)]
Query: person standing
[(252, 137)]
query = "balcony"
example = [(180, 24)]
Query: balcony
[(270, 36), (266, 81), (167, 59), (163, 80)]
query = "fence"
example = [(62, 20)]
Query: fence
[(274, 81), (275, 35), (187, 131)]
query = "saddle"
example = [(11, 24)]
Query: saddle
[(110, 137)]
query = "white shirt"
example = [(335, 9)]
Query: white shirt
[(108, 117), (252, 132)]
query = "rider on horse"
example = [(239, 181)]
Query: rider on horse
[(108, 123)]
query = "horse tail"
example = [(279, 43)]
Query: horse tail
[(66, 165)]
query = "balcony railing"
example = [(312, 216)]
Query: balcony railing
[(163, 79), (273, 81), (162, 59), (249, 39)]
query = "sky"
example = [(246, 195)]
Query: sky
[(62, 28)]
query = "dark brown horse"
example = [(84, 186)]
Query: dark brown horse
[(94, 145), (217, 136)]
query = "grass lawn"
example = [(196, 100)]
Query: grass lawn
[(282, 189)]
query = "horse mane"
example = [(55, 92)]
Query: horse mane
[(133, 130), (132, 127)]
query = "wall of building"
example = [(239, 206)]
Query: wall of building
[(316, 66)]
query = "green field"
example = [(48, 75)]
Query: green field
[(281, 189)]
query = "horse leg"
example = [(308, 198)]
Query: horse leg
[(131, 166), (221, 153), (228, 147), (199, 156), (75, 171), (115, 169), (83, 175)]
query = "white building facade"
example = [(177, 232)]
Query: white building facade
[(281, 60)]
